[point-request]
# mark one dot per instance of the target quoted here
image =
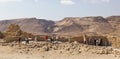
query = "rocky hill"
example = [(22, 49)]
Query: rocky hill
[(98, 25), (33, 25), (115, 23), (68, 25)]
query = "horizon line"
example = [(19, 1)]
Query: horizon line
[(53, 19)]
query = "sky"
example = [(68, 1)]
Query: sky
[(57, 9)]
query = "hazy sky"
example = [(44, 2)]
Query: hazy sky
[(57, 9)]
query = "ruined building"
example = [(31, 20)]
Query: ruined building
[(13, 33), (92, 40)]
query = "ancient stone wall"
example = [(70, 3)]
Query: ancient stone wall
[(92, 40), (115, 41), (14, 32)]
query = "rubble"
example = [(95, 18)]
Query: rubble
[(65, 48)]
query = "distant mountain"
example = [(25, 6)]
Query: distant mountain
[(83, 25), (68, 25), (115, 23), (33, 25)]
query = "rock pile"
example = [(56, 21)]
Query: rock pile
[(63, 48)]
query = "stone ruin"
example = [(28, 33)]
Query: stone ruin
[(92, 40), (115, 41), (13, 33)]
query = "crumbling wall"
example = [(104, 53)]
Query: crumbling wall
[(79, 39), (41, 37), (103, 39), (91, 40), (14, 32), (115, 41)]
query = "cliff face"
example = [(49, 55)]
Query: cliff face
[(97, 25)]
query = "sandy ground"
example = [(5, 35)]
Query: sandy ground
[(7, 52)]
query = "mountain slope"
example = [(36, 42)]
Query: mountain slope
[(82, 25), (32, 25), (96, 25)]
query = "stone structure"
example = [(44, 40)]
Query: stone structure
[(92, 40), (14, 33)]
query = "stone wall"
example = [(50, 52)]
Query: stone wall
[(91, 40), (14, 32)]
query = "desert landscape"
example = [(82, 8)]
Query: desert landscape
[(59, 29), (45, 50), (77, 38)]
